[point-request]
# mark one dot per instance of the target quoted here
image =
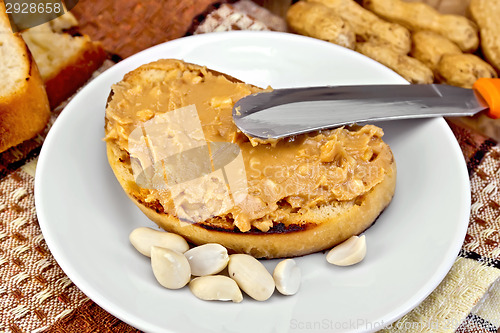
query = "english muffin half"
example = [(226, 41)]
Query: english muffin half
[(176, 152)]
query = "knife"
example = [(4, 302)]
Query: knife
[(285, 112)]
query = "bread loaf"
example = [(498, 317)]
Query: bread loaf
[(167, 120), (24, 107), (485, 14)]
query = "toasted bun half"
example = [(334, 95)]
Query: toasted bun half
[(288, 229), (24, 107)]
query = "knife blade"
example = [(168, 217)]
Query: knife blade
[(286, 112)]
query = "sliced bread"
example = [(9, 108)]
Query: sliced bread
[(24, 107)]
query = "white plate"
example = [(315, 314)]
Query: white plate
[(86, 217)]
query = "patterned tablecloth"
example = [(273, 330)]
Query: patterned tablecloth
[(36, 295)]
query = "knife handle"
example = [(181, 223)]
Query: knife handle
[(489, 89)]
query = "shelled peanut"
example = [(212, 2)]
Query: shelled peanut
[(368, 27)]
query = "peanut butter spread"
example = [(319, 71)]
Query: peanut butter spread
[(282, 180)]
